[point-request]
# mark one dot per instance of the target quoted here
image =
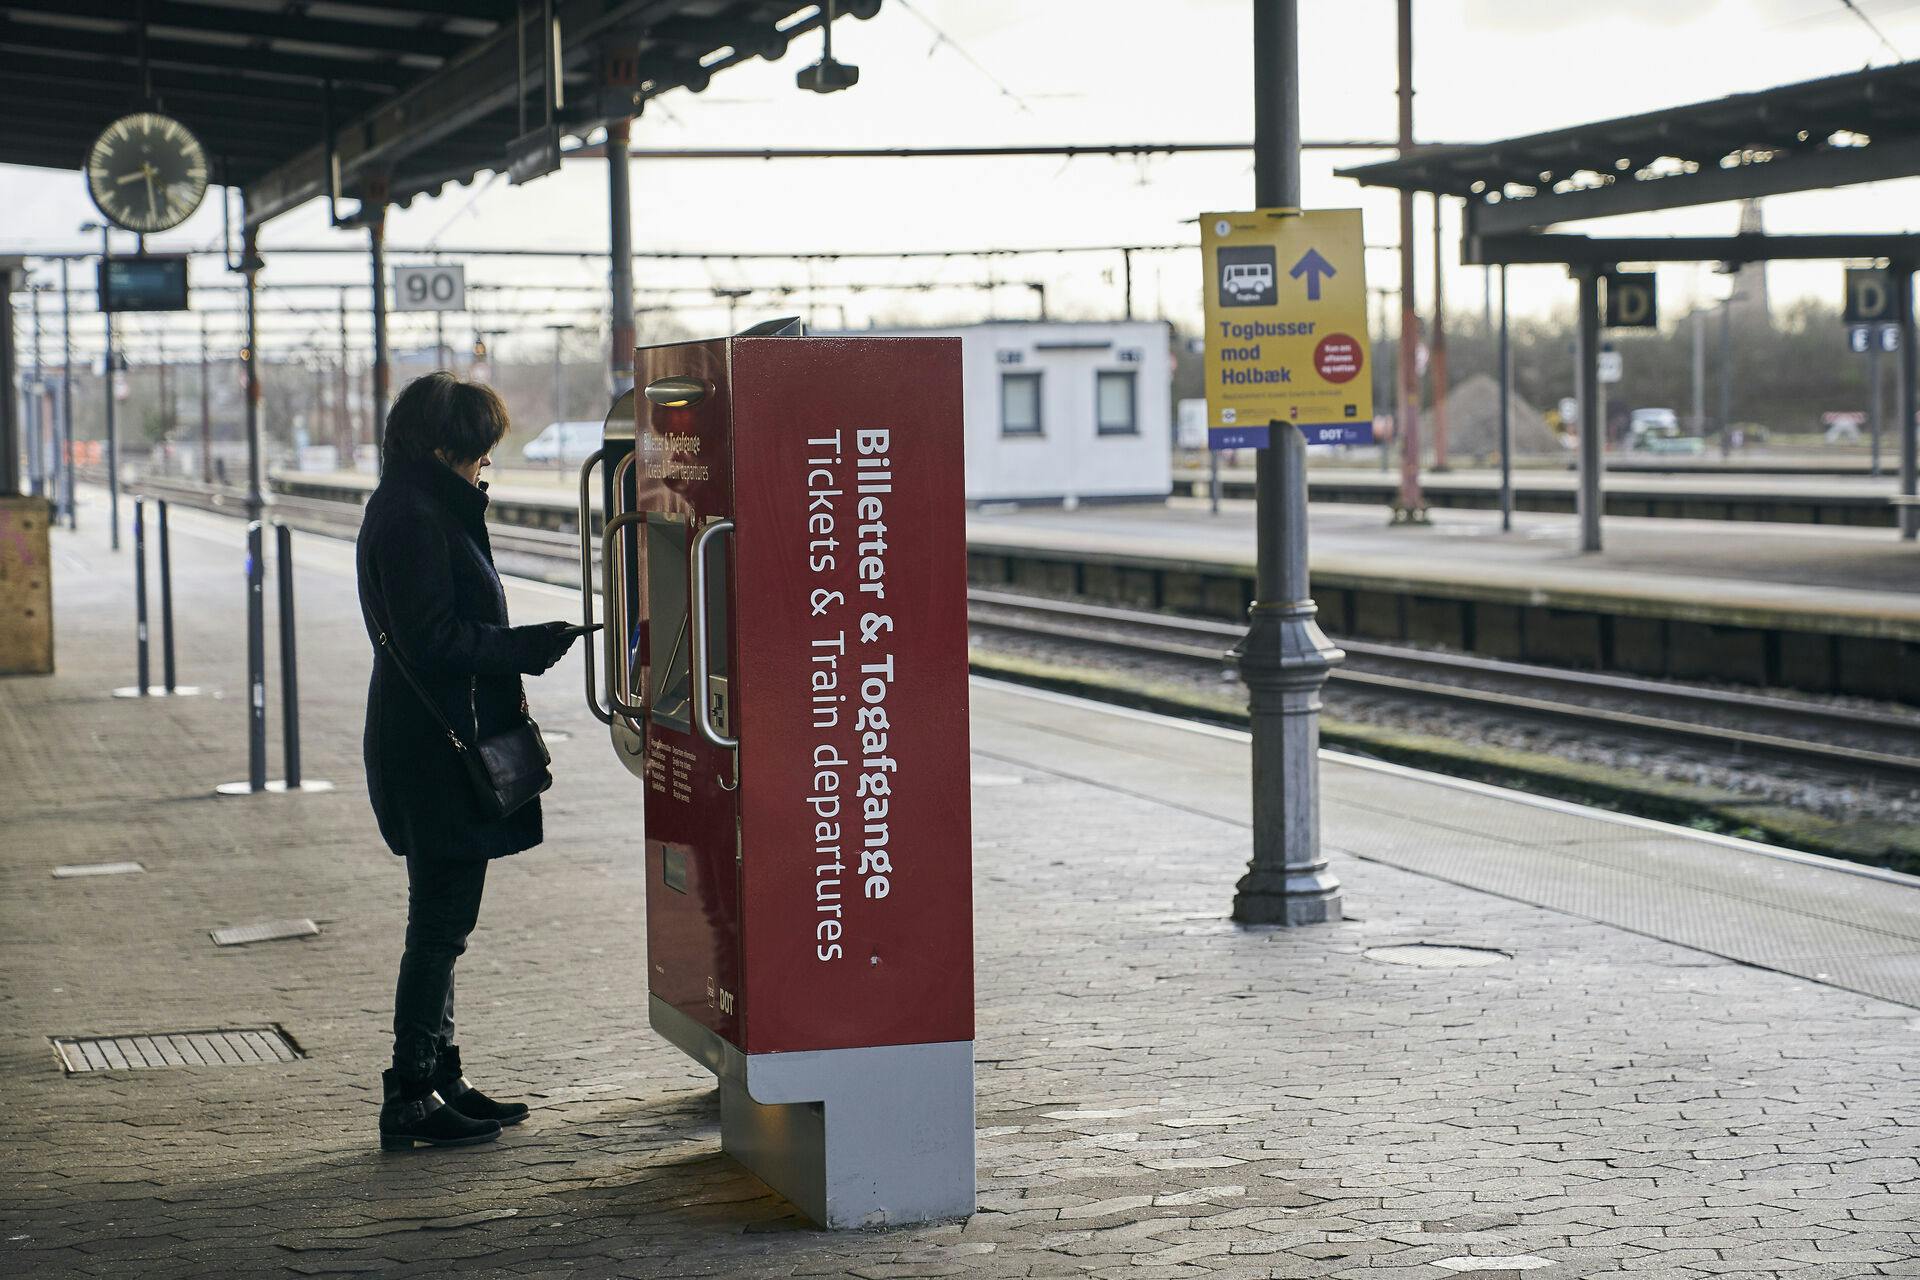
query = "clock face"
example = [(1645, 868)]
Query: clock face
[(147, 172)]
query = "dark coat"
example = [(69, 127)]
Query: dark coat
[(427, 577)]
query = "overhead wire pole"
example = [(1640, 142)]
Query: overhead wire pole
[(1284, 658), (1409, 506), (206, 405)]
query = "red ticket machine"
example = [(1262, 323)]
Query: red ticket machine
[(783, 565)]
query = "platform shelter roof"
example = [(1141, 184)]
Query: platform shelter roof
[(413, 93), (1860, 127)]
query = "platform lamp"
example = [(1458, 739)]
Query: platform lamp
[(113, 435)]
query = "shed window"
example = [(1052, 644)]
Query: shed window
[(1117, 408), (1020, 404)]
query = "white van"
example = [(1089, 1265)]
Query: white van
[(1247, 279), (562, 443)]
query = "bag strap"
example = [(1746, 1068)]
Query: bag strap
[(393, 651)]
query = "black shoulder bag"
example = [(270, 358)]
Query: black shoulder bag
[(506, 769)]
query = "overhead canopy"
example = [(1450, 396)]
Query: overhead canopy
[(419, 92), (1859, 127)]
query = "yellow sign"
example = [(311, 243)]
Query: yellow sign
[(1286, 326)]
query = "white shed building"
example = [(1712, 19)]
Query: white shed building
[(1066, 411)]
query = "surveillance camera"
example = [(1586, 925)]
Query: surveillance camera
[(828, 76)]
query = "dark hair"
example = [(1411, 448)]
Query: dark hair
[(439, 414)]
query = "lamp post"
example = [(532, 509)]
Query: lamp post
[(1285, 658)]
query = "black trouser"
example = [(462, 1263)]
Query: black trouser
[(443, 903)]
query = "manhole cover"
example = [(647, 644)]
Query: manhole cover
[(96, 869), (239, 1047), (237, 935), (1429, 955)]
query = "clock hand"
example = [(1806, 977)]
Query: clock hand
[(131, 177), (153, 204)]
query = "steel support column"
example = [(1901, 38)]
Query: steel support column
[(620, 250), (113, 431), (256, 569), (1904, 401), (1592, 430), (377, 250), (10, 406), (36, 415), (1284, 658), (1506, 412), (66, 398), (1437, 353)]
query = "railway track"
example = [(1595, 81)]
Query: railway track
[(1727, 723)]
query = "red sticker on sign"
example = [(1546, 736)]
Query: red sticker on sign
[(1337, 358)]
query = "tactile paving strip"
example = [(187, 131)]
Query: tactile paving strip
[(235, 1047)]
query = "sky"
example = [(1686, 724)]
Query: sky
[(998, 72)]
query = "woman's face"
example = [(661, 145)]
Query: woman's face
[(469, 471)]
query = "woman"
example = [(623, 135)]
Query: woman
[(427, 583)]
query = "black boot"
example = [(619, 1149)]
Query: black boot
[(414, 1112), (466, 1099)]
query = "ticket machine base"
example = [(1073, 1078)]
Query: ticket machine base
[(854, 1137)]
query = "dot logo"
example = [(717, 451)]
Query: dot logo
[(1223, 228)]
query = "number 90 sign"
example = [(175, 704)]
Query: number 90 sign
[(429, 288)]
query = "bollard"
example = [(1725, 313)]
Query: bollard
[(289, 675), (169, 686), (1213, 481), (139, 689), (140, 593), (289, 662), (166, 603)]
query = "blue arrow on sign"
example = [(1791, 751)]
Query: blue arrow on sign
[(1313, 267)]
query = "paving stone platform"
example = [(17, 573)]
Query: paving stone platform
[(1161, 1094)]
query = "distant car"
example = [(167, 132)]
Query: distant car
[(1658, 431), (563, 442)]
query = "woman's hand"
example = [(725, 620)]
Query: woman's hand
[(558, 637)]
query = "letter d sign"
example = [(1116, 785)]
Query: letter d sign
[(1630, 301), (1869, 296)]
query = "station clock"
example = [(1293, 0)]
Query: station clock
[(147, 172)]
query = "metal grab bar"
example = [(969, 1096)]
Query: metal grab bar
[(702, 710), (586, 578), (619, 687)]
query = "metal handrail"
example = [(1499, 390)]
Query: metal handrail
[(619, 687), (586, 579), (702, 711)]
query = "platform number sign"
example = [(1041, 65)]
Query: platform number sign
[(1632, 302), (435, 288), (1869, 296)]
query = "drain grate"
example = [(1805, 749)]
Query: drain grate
[(234, 1047), (1432, 955), (96, 869), (239, 935)]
